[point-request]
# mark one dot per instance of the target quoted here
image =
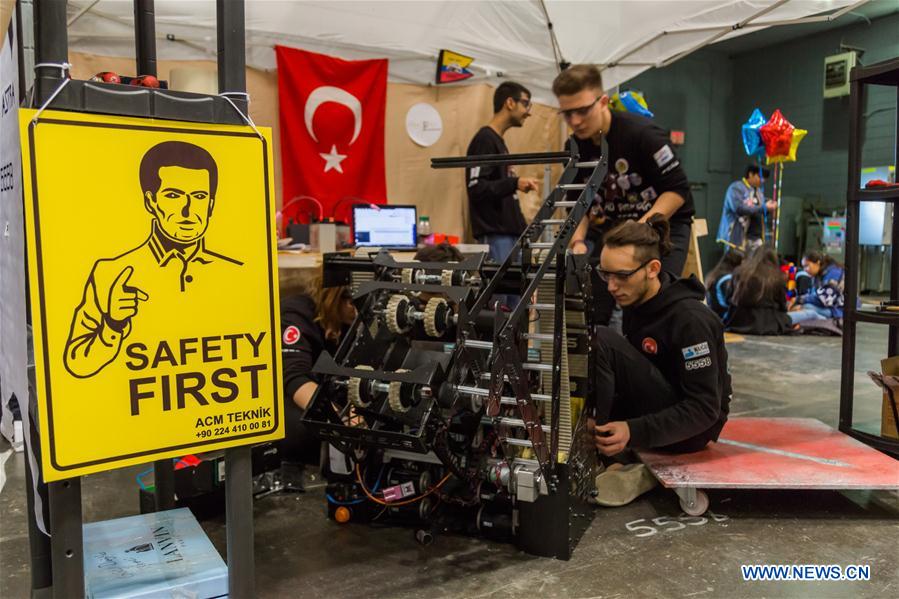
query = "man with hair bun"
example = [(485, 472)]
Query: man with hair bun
[(664, 383)]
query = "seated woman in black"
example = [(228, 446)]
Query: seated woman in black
[(313, 318), (719, 284), (759, 303)]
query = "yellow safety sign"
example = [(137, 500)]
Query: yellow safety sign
[(154, 288)]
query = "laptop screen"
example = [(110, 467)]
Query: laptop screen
[(385, 226)]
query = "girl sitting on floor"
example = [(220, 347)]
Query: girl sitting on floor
[(824, 298), (759, 304)]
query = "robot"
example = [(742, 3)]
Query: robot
[(446, 411)]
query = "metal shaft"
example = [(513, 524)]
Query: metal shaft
[(476, 344), (479, 392), (539, 336), (517, 423)]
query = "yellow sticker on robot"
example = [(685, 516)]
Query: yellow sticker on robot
[(154, 289)]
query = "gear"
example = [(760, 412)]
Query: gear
[(397, 319), (407, 275), (446, 278), (354, 389), (394, 395), (435, 316)]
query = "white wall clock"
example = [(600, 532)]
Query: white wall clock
[(423, 124)]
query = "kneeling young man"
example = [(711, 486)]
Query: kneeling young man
[(664, 384)]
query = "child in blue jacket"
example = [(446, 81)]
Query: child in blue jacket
[(824, 298)]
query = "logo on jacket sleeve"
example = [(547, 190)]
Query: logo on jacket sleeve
[(291, 335), (695, 351), (663, 156), (650, 346)]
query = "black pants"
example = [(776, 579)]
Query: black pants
[(604, 303), (299, 443), (627, 385)]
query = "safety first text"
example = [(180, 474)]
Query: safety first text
[(175, 389)]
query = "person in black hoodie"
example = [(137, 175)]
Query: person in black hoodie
[(313, 319), (664, 384), (496, 218)]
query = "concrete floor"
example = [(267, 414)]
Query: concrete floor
[(299, 553)]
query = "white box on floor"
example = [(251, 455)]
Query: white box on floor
[(163, 554)]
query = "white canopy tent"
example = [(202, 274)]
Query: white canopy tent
[(508, 39)]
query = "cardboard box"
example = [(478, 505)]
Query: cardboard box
[(163, 554), (888, 380)]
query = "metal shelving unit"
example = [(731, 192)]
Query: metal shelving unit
[(887, 74)]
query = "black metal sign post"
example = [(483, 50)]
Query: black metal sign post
[(231, 58), (51, 53)]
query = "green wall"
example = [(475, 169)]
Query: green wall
[(710, 93), (694, 95)]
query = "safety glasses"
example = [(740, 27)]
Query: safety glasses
[(618, 275), (581, 111)]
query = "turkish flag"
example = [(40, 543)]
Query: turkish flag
[(332, 129)]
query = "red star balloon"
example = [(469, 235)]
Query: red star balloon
[(798, 134), (777, 135)]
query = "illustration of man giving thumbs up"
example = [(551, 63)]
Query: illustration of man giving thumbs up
[(179, 182)]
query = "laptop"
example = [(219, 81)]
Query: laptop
[(388, 226)]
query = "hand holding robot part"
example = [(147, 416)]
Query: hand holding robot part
[(612, 437)]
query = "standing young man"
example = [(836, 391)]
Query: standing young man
[(664, 384), (645, 177), (743, 214), (496, 218)]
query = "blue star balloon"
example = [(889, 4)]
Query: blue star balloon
[(752, 139)]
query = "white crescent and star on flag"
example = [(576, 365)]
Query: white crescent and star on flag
[(328, 93)]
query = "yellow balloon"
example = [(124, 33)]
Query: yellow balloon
[(798, 134)]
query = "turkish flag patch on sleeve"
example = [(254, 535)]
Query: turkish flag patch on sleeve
[(291, 335), (650, 346)]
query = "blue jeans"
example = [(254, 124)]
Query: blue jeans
[(500, 247), (810, 312)]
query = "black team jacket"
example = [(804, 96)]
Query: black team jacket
[(689, 351), (302, 340)]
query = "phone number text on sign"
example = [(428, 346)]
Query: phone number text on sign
[(233, 423)]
